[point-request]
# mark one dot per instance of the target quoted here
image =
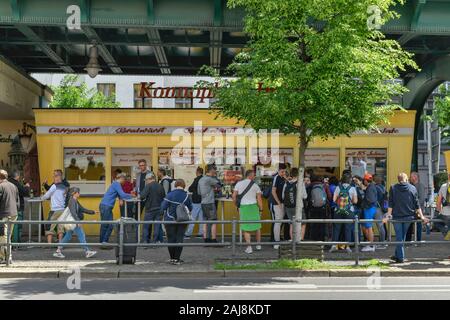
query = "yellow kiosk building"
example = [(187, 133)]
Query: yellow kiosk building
[(91, 144)]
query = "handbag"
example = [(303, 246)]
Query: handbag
[(67, 216)]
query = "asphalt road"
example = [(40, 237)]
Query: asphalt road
[(230, 288)]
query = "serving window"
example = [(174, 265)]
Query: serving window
[(265, 163), (323, 161), (179, 163), (126, 160), (84, 168), (230, 163), (362, 161)]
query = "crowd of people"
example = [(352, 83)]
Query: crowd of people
[(160, 198)]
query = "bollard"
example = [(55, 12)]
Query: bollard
[(233, 241), (120, 241), (8, 242), (356, 235)]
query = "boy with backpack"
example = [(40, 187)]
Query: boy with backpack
[(345, 197), (317, 205), (290, 199)]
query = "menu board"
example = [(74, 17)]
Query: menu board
[(328, 158), (129, 157), (272, 156)]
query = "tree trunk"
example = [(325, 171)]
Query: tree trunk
[(303, 144)]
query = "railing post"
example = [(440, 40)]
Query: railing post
[(39, 224), (415, 230), (389, 230), (8, 242), (30, 210), (138, 216), (120, 241), (233, 241), (294, 238), (356, 236)]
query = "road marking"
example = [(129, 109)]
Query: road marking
[(321, 291)]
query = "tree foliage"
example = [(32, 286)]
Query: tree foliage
[(70, 94), (325, 68), (442, 112)]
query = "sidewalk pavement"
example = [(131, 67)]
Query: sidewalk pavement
[(423, 260)]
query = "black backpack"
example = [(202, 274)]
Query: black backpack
[(290, 195), (170, 183)]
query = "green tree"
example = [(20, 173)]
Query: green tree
[(442, 112), (327, 71), (71, 95)]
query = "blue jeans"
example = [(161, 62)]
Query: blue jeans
[(401, 229), (348, 227), (105, 229), (154, 215), (197, 214), (80, 235)]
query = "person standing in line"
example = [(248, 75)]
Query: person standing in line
[(58, 196), (9, 196), (197, 213), (345, 197), (152, 196), (247, 198), (381, 197), (175, 231), (415, 181), (107, 204), (317, 207), (127, 187), (165, 180), (206, 186), (140, 184), (404, 206), (277, 205), (369, 211), (77, 211), (443, 208), (289, 198), (24, 191)]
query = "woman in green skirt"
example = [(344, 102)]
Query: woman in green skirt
[(247, 197)]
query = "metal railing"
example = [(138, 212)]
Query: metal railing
[(296, 245)]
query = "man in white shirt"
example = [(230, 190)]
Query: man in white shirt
[(57, 195), (247, 197), (443, 207)]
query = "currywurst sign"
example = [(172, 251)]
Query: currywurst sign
[(167, 130)]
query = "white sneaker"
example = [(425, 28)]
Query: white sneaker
[(258, 248), (333, 248), (381, 247), (276, 247), (348, 249), (368, 249), (58, 254), (90, 253), (249, 250)]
